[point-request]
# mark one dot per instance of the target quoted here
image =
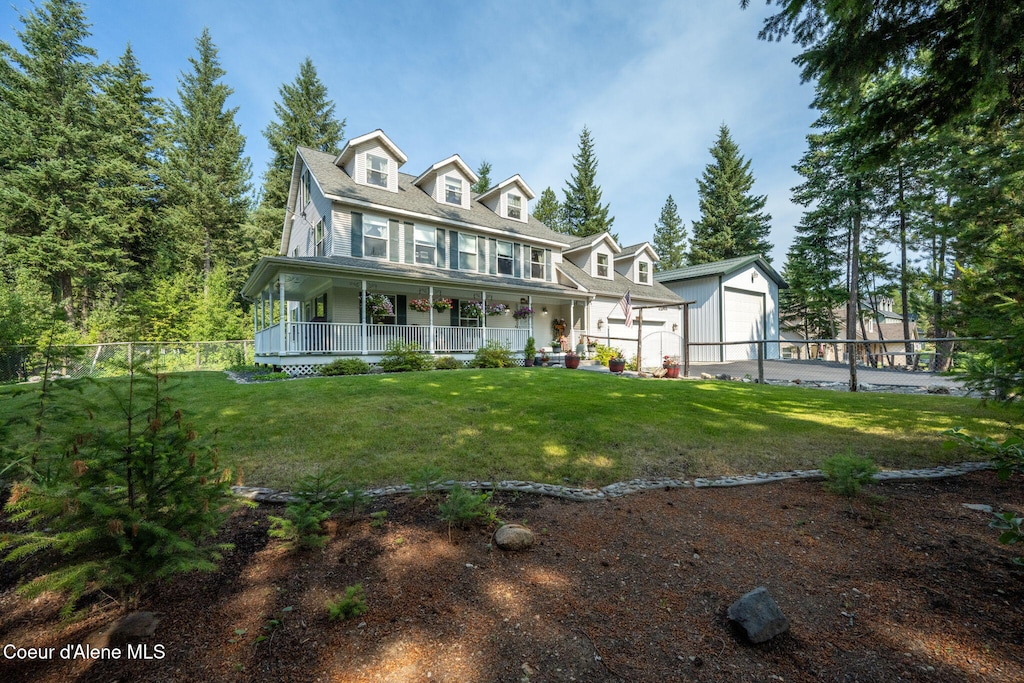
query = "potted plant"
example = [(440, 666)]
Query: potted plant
[(544, 358), (472, 309), (379, 307), (521, 314), (671, 365), (618, 363), (572, 360), (419, 305), (442, 305), (497, 309), (529, 352), (591, 347)]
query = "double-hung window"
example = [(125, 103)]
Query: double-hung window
[(602, 265), (453, 190), (515, 206), (375, 237), (537, 264), (643, 271), (376, 170), (425, 244), (504, 258), (318, 235), (467, 252), (304, 188)]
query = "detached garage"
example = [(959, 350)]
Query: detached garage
[(736, 300)]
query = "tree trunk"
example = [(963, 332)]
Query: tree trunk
[(908, 346), (853, 303)]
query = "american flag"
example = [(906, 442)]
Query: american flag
[(627, 309)]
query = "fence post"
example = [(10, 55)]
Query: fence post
[(686, 339), (851, 350), (760, 361), (131, 346), (197, 356)]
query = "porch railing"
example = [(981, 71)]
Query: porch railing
[(347, 338)]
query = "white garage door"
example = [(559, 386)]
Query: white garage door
[(744, 321)]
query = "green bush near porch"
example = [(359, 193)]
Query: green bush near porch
[(405, 357)]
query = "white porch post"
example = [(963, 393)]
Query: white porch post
[(430, 297), (284, 334), (363, 318), (529, 303), (572, 325), (483, 314)]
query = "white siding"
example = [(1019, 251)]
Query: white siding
[(705, 315), (439, 191), (358, 171), (341, 232), (753, 280)]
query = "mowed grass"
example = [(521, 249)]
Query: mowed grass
[(552, 425)]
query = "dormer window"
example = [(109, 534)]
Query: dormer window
[(602, 265), (453, 190), (515, 206), (376, 170), (643, 270)]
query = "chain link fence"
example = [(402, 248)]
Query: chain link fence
[(21, 363), (918, 365)]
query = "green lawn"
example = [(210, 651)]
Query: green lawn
[(553, 425)]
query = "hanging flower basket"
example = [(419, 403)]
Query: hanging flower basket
[(472, 309), (497, 309), (378, 307), (522, 313), (420, 305), (442, 305)]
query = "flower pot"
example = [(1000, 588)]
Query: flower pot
[(528, 362), (572, 361), (672, 371), (617, 365)]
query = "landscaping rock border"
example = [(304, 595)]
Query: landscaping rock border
[(624, 488)]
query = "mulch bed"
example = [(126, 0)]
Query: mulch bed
[(902, 584)]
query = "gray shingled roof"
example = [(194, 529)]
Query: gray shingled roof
[(725, 267), (619, 286), (335, 182)]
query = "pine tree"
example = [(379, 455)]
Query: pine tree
[(733, 222), (306, 118), (548, 211), (670, 238), (52, 191), (207, 173), (483, 175), (582, 212)]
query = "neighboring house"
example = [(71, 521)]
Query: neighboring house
[(882, 330), (736, 300), (365, 247)]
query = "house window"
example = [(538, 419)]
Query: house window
[(467, 252), (537, 264), (320, 306), (318, 232), (602, 265), (644, 268), (376, 170), (504, 258), (515, 206), (425, 244), (453, 190), (304, 190), (375, 237)]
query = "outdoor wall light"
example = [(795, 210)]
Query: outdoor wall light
[(675, 327), (544, 310), (600, 323)]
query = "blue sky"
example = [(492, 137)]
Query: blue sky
[(513, 83)]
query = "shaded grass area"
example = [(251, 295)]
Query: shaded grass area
[(549, 425)]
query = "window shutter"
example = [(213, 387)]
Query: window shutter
[(393, 234), (401, 309), (492, 268), (548, 275), (357, 234), (453, 260), (517, 260), (440, 248), (454, 319), (481, 254), (408, 243)]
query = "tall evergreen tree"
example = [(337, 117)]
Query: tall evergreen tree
[(670, 238), (733, 222), (548, 211), (483, 174), (207, 172), (306, 118), (582, 212), (54, 150)]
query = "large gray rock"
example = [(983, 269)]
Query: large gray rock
[(759, 615), (131, 628), (513, 537)]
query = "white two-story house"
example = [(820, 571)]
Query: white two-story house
[(371, 255)]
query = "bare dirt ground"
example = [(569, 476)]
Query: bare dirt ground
[(904, 584)]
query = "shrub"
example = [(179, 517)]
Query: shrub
[(1009, 524), (345, 366), (302, 525), (493, 355), (1008, 456), (530, 350), (603, 354), (352, 604), (462, 508), (405, 357), (124, 506), (447, 363), (422, 480), (845, 474), (270, 376)]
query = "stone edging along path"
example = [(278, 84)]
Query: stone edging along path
[(622, 488)]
